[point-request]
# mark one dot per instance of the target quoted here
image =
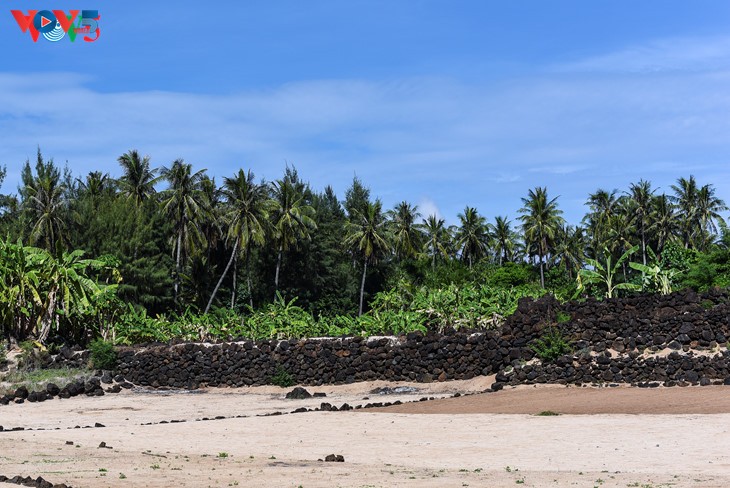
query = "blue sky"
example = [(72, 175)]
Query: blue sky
[(441, 103)]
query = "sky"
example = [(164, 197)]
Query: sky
[(441, 103)]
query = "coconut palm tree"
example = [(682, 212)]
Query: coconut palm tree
[(407, 236), (620, 232), (504, 239), (95, 185), (293, 218), (367, 233), (642, 196), (472, 236), (603, 206), (541, 219), (685, 199), (708, 214), (184, 202), (437, 238), (44, 199), (664, 224), (212, 225), (246, 213), (138, 181), (570, 248)]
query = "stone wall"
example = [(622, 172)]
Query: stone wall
[(695, 326), (682, 320), (415, 357)]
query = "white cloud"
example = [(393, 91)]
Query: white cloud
[(601, 122), (428, 207), (678, 54)]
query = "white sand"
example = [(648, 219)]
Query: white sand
[(380, 449)]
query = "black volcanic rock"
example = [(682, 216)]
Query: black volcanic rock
[(298, 393)]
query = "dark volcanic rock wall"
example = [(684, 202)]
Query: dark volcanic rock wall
[(682, 319), (316, 361), (691, 324)]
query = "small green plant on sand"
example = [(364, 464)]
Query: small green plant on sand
[(548, 413)]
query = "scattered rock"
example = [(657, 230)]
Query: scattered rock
[(298, 393)]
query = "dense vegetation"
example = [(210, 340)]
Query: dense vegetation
[(98, 256)]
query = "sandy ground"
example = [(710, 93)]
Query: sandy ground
[(632, 437)]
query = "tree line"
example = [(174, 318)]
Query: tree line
[(182, 241)]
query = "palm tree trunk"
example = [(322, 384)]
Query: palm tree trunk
[(278, 267), (362, 284), (248, 276), (225, 272), (235, 276), (136, 227), (542, 274), (643, 243), (177, 264)]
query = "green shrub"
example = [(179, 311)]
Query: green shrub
[(675, 256), (135, 327), (103, 354), (3, 355), (33, 355), (510, 275), (551, 345), (562, 317), (282, 378)]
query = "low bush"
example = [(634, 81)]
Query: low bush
[(548, 413), (102, 354), (282, 378), (33, 355), (562, 317), (551, 345)]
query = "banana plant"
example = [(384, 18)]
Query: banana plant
[(39, 290), (655, 278), (604, 274)]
